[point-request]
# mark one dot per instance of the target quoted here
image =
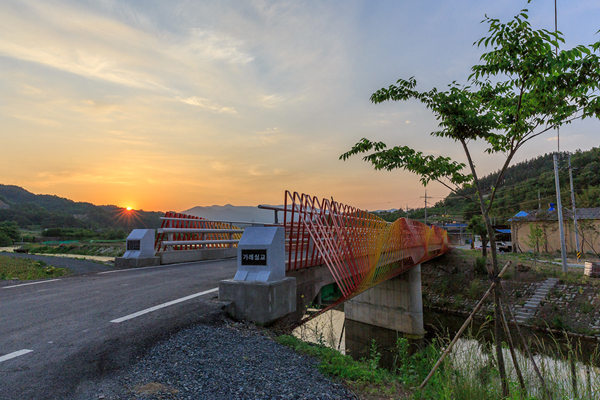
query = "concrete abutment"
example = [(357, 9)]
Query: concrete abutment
[(395, 304)]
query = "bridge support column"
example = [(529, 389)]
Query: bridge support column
[(395, 304)]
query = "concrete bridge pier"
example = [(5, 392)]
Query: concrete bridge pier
[(395, 304), (309, 283)]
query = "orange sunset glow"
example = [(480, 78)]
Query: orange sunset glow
[(170, 105)]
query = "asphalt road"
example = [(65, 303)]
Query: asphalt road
[(58, 335)]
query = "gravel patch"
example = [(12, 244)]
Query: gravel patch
[(221, 363)]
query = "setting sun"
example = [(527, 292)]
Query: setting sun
[(128, 208)]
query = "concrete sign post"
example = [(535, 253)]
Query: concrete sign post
[(139, 251), (140, 244), (261, 254), (260, 292)]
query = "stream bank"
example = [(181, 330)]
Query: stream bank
[(454, 283)]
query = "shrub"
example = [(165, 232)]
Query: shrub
[(479, 266), (10, 229), (474, 290), (5, 240), (52, 232), (558, 323)]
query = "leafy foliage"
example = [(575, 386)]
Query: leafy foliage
[(541, 90), (523, 182), (521, 89), (477, 227), (10, 229), (5, 240), (428, 167)]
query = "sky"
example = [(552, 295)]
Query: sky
[(167, 105)]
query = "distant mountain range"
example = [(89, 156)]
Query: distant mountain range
[(49, 211), (31, 210)]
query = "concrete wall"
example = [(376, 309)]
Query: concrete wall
[(395, 304), (179, 256), (588, 238), (260, 302), (125, 263)]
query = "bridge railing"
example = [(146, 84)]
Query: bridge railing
[(359, 248), (188, 232)]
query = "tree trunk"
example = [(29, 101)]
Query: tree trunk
[(497, 311), (495, 271), (484, 243)]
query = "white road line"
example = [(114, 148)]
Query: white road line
[(158, 307), (14, 355), (30, 283), (162, 266)]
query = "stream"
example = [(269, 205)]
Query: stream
[(472, 354)]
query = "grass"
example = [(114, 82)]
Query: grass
[(88, 249), (361, 375), (475, 289), (586, 308), (25, 269), (468, 373)]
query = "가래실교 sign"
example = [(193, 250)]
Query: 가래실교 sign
[(254, 257)]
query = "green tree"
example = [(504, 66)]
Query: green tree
[(10, 230), (5, 240), (521, 89), (52, 232), (536, 238), (477, 227)]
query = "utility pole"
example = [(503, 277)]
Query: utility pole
[(407, 211), (539, 201), (561, 228), (574, 209), (425, 206)]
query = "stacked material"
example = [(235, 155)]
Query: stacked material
[(592, 269)]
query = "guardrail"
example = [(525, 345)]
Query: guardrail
[(188, 232), (360, 249)]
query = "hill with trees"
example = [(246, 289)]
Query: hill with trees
[(43, 212), (527, 185)]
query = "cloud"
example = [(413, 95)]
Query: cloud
[(214, 46), (272, 101), (67, 39), (207, 104), (270, 136), (77, 41)]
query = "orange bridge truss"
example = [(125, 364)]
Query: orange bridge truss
[(360, 249)]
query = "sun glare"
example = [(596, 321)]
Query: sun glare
[(128, 216)]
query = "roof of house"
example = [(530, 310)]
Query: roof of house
[(546, 215)]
